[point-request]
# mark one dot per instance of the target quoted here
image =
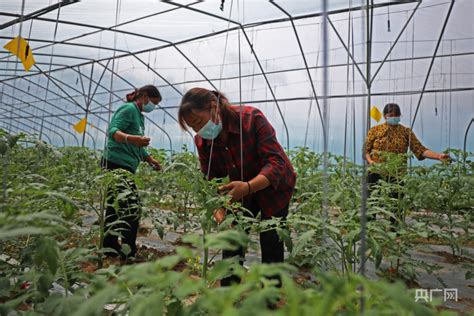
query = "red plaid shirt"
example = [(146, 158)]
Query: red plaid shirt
[(262, 155)]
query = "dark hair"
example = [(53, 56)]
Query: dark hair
[(199, 100), (392, 108), (149, 90)]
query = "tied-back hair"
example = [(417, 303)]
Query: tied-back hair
[(149, 90), (392, 108), (199, 100)]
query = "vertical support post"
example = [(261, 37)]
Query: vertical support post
[(363, 215), (88, 104)]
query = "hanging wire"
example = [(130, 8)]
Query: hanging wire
[(314, 96), (354, 148), (347, 92), (325, 125), (450, 91), (308, 117), (16, 64), (220, 84), (388, 19), (240, 102), (50, 66), (106, 138)]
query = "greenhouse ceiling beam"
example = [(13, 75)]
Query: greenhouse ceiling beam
[(4, 117), (16, 62), (45, 101), (319, 67), (60, 97), (113, 93), (432, 61), (48, 55), (358, 95), (245, 76), (97, 28), (395, 42), (52, 124), (133, 87), (71, 97), (129, 53), (162, 129), (354, 62), (95, 82), (211, 34), (339, 96), (27, 132), (306, 67), (254, 54), (35, 14), (162, 78), (65, 42), (89, 98), (53, 80)]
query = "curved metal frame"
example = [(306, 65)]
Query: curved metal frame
[(465, 139), (33, 128), (289, 18)]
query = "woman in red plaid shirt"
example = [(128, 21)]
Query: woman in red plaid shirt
[(266, 180)]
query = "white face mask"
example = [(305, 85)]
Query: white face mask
[(393, 120), (211, 130), (147, 108)]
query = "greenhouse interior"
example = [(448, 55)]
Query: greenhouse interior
[(237, 157)]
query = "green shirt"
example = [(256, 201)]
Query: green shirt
[(130, 120)]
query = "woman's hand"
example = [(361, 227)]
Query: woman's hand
[(140, 141), (219, 215), (155, 164), (236, 189), (434, 155), (443, 157)]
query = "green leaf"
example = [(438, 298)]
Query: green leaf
[(160, 230), (226, 240), (95, 304), (12, 233), (302, 241), (47, 252)]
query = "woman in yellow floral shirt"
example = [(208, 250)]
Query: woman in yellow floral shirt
[(395, 138)]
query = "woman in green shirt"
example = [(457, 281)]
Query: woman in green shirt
[(124, 151)]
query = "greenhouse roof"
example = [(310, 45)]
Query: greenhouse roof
[(268, 54)]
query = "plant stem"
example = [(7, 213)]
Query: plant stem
[(206, 256), (5, 175)]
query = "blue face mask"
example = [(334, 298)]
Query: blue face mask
[(211, 130), (147, 108), (393, 120)]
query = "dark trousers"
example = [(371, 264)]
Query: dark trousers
[(372, 179), (271, 246), (122, 216)]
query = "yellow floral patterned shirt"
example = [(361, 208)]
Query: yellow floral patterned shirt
[(395, 139)]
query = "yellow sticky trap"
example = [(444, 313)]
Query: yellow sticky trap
[(20, 48), (375, 113), (80, 126)]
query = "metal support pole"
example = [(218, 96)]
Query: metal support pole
[(432, 61), (363, 215), (88, 102), (396, 41), (465, 141), (306, 67)]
